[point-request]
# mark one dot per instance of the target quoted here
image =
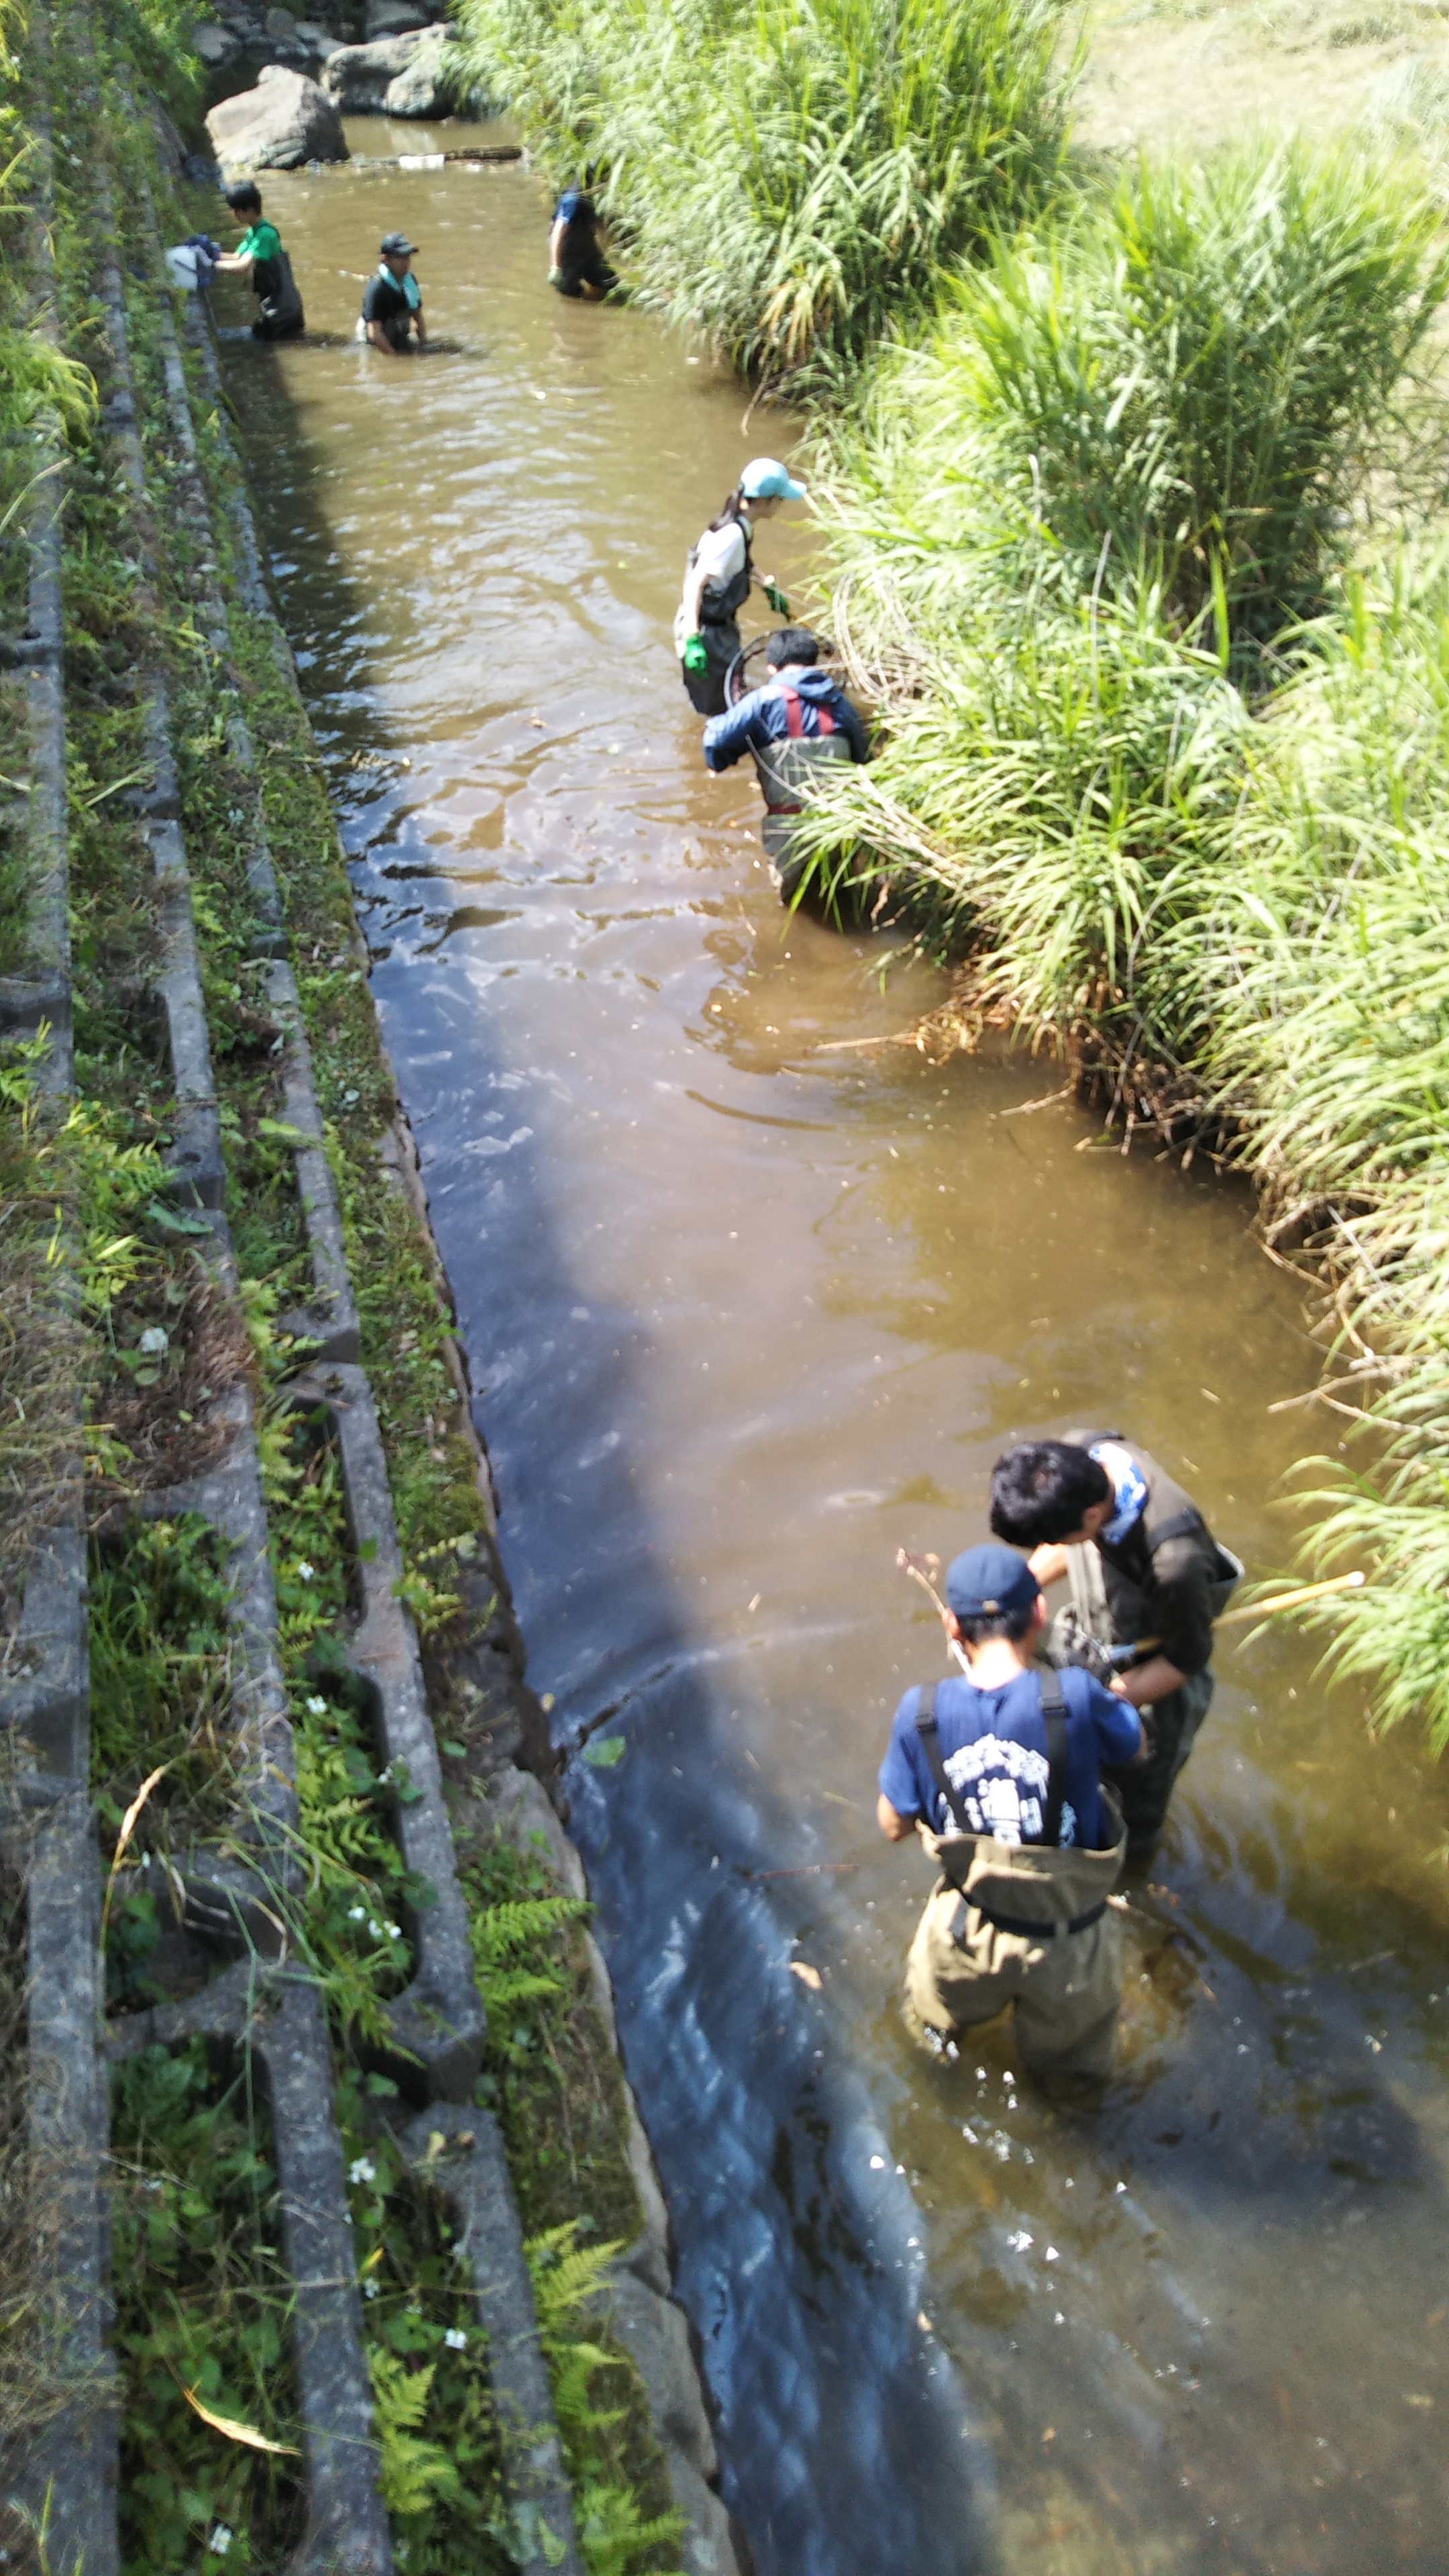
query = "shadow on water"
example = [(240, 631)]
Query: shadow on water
[(845, 2438), (742, 1317)]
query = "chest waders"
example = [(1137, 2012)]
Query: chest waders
[(280, 315), (719, 604), (1023, 1925), (1078, 1634), (786, 771)]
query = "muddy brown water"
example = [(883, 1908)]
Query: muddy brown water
[(743, 1315)]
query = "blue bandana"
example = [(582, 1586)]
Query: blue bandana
[(1129, 1492)]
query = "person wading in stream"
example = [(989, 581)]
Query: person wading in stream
[(1143, 1565), (259, 256), (576, 265), (797, 724), (392, 301), (717, 579), (1001, 1777)]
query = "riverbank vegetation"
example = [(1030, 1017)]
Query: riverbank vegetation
[(1124, 563), (791, 177), (121, 1347)]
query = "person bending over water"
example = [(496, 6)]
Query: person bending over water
[(717, 579), (1143, 1565), (795, 726), (259, 256), (576, 265), (392, 302)]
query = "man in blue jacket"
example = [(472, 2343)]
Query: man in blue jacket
[(793, 727), (1000, 1774)]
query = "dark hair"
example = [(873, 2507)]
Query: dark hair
[(1004, 1623), (791, 644), (731, 512), (1040, 1491), (243, 196)]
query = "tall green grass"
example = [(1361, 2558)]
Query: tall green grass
[(794, 177), (1167, 769)]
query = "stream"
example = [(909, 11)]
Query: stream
[(747, 1307)]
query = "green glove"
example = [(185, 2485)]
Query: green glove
[(776, 598), (695, 657)]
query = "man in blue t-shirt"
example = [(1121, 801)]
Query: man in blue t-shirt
[(1000, 1773)]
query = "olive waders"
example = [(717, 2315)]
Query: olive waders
[(1093, 1620), (1020, 1924)]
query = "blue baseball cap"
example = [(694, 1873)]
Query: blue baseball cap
[(764, 479), (989, 1583)]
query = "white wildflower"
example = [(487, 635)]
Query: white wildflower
[(369, 2289), (455, 2339), (317, 1706), (356, 1913), (153, 1342), (362, 2169), (220, 2540), (304, 1570)]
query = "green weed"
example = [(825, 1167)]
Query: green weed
[(202, 2306), (795, 177)]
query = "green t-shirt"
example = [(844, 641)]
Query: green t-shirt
[(261, 241)]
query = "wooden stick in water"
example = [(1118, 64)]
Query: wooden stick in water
[(916, 1568), (1290, 1600), (1244, 1618)]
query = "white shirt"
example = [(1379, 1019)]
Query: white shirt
[(720, 553)]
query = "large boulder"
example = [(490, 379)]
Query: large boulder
[(361, 77), (395, 17), (283, 122), (217, 45), (420, 90)]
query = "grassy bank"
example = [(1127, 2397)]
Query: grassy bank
[(153, 1347), (791, 177), (1127, 561)]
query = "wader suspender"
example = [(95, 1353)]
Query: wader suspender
[(795, 732), (1053, 1709)]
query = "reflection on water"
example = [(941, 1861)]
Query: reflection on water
[(745, 1311)]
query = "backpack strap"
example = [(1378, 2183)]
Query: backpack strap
[(1184, 1524), (794, 721), (1054, 1715), (931, 1747)]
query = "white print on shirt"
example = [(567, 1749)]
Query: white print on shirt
[(1002, 1786)]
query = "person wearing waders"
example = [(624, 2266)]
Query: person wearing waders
[(718, 574), (1000, 1774), (576, 265), (799, 723), (259, 256), (392, 300), (1147, 1581)]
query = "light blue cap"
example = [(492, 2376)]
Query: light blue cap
[(765, 479)]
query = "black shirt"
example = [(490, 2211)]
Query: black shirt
[(1164, 1591), (384, 301)]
